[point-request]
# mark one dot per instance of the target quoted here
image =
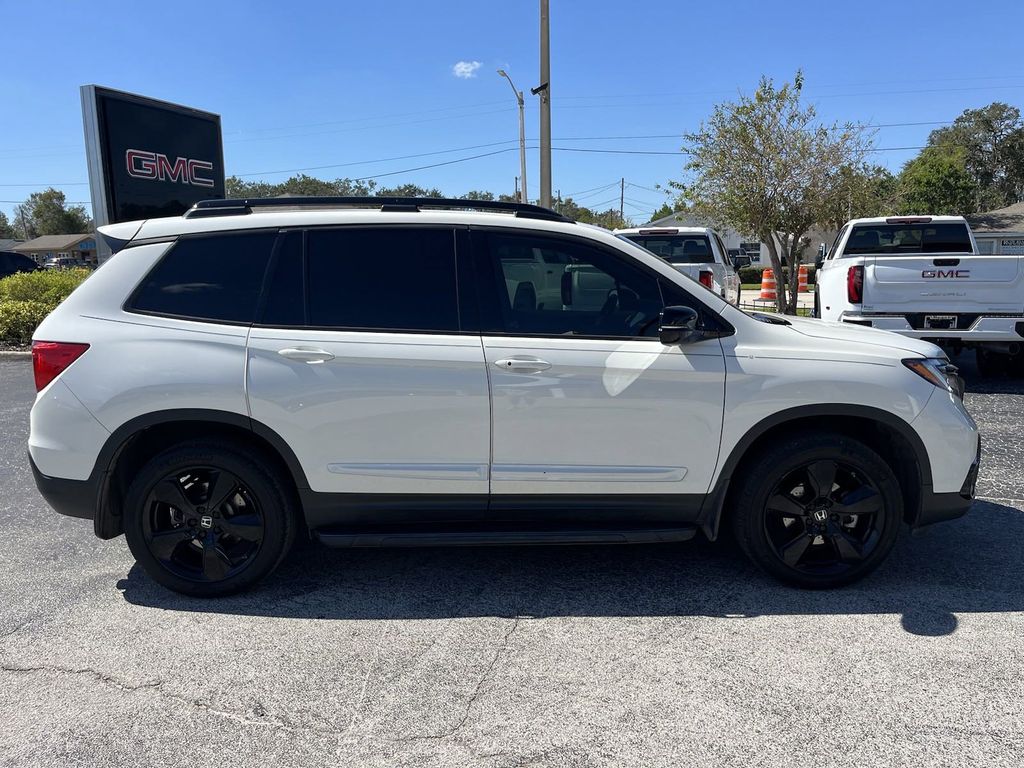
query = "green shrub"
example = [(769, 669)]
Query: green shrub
[(18, 320), (28, 297), (50, 286)]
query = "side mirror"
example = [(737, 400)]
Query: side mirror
[(678, 325), (818, 262)]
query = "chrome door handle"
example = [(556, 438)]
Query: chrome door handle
[(306, 354), (523, 364)]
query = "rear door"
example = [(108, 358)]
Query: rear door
[(586, 400), (359, 362)]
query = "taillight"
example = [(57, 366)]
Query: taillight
[(706, 279), (50, 358), (855, 285)]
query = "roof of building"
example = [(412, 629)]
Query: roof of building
[(51, 243), (8, 245), (1008, 219)]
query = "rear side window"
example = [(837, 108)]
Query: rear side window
[(908, 239), (215, 278), (382, 279)]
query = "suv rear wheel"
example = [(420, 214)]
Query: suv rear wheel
[(818, 510), (208, 519)]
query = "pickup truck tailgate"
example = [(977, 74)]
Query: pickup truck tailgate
[(952, 283)]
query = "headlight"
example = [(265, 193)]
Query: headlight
[(938, 371)]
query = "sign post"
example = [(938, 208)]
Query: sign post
[(148, 158)]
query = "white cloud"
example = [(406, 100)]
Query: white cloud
[(466, 69)]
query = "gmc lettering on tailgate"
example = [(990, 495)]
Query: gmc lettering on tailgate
[(961, 274)]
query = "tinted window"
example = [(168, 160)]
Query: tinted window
[(285, 301), (214, 277), (908, 239), (382, 279), (5, 262), (553, 287), (677, 249)]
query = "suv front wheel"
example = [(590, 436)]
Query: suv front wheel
[(208, 519), (817, 510)]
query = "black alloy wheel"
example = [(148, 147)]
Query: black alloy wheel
[(816, 509), (823, 517), (210, 518), (202, 524)]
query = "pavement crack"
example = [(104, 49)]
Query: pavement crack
[(477, 689), (101, 677)]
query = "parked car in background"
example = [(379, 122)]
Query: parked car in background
[(386, 372), (63, 262), (922, 276), (695, 251), (11, 263)]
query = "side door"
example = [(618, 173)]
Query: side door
[(360, 363), (586, 401)]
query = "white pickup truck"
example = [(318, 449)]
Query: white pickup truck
[(921, 276), (695, 251)]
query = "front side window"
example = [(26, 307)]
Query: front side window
[(214, 278), (562, 288), (389, 279)]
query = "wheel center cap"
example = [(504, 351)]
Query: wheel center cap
[(206, 521), (819, 515)]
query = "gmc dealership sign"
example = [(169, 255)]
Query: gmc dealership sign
[(148, 158)]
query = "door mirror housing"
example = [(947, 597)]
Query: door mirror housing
[(678, 325)]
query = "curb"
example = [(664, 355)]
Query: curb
[(15, 354)]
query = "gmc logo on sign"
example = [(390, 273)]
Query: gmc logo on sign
[(961, 274), (153, 165)]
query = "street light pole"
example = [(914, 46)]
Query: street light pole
[(544, 91), (523, 198)]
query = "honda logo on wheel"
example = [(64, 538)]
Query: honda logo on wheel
[(961, 274)]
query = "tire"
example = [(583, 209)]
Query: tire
[(190, 543), (991, 364), (807, 537)]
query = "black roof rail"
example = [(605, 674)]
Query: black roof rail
[(235, 207)]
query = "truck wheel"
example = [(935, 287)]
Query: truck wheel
[(991, 364), (817, 510), (209, 518)]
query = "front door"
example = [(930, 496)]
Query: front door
[(586, 401), (359, 362)]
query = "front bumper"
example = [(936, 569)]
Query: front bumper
[(940, 507), (980, 328)]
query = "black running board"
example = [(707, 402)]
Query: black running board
[(500, 538)]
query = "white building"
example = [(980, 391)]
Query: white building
[(1000, 231)]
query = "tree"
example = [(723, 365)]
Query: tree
[(47, 213), (661, 213), (766, 165), (609, 219), (991, 143), (861, 190), (476, 194), (6, 230), (937, 182), (298, 186)]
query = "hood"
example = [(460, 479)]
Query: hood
[(823, 329)]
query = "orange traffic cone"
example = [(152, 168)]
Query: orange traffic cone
[(802, 278), (768, 285)]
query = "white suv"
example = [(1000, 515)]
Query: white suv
[(400, 372)]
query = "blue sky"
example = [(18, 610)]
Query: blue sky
[(306, 84)]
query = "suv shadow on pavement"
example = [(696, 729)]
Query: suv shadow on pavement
[(971, 565)]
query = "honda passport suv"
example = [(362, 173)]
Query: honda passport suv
[(405, 372)]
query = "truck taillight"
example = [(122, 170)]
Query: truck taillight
[(855, 285), (707, 279), (51, 358)]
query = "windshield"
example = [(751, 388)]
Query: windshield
[(677, 249), (908, 239)]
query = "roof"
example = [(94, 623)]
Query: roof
[(52, 243), (8, 245), (1008, 219)]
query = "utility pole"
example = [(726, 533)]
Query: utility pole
[(622, 199), (522, 136), (544, 90)]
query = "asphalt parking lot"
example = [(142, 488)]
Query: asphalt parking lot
[(656, 656)]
